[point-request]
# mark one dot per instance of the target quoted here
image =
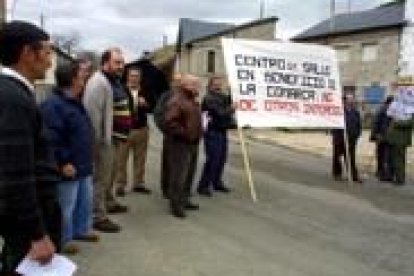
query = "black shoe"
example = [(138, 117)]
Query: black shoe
[(142, 190), (120, 192), (399, 183), (178, 213), (385, 179), (222, 189), (117, 209), (358, 180), (106, 226), (205, 192), (191, 206)]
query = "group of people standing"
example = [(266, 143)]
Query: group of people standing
[(63, 163), (392, 137)]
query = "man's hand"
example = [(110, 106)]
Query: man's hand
[(233, 106), (142, 101), (42, 250), (69, 170)]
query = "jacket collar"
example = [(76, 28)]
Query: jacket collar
[(7, 71)]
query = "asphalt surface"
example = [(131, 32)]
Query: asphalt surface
[(303, 224)]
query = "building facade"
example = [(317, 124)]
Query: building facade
[(368, 49)]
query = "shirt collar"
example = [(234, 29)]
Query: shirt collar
[(16, 75)]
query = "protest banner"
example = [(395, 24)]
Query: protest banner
[(281, 84)]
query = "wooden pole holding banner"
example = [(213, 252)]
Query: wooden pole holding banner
[(348, 158), (247, 164), (347, 152)]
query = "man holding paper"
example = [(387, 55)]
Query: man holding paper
[(29, 213)]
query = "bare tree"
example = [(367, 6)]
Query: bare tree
[(68, 42), (90, 55)]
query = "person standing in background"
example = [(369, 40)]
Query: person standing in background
[(138, 136), (353, 130), (379, 131)]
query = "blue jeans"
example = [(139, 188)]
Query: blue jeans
[(75, 198), (216, 146)]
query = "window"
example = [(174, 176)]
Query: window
[(211, 62), (369, 52), (342, 52)]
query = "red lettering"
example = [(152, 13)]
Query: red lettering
[(327, 97), (275, 105), (247, 105)]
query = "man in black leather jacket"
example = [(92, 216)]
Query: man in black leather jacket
[(217, 107)]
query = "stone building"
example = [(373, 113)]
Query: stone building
[(199, 48), (367, 44)]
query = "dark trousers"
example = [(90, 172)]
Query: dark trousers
[(216, 147), (182, 164), (164, 169), (17, 244), (339, 150), (399, 157), (384, 161)]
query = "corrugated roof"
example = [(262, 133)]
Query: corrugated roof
[(190, 29), (383, 16)]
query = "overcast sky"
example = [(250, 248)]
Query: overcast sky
[(137, 25)]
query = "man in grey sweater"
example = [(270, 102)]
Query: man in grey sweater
[(99, 102)]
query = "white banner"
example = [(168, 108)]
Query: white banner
[(280, 84)]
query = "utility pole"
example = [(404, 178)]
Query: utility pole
[(262, 8), (349, 6), (333, 9), (13, 9), (42, 20)]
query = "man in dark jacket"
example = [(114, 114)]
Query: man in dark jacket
[(71, 134), (218, 110), (353, 127), (380, 126), (182, 134), (29, 212)]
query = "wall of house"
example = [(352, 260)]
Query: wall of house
[(355, 72), (194, 60)]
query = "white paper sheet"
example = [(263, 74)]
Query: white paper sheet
[(58, 266)]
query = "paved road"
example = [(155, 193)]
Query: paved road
[(303, 224)]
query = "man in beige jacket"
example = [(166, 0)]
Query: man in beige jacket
[(99, 102)]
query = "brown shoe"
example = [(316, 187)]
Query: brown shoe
[(120, 192), (70, 249), (89, 237), (117, 209), (141, 189), (106, 226)]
